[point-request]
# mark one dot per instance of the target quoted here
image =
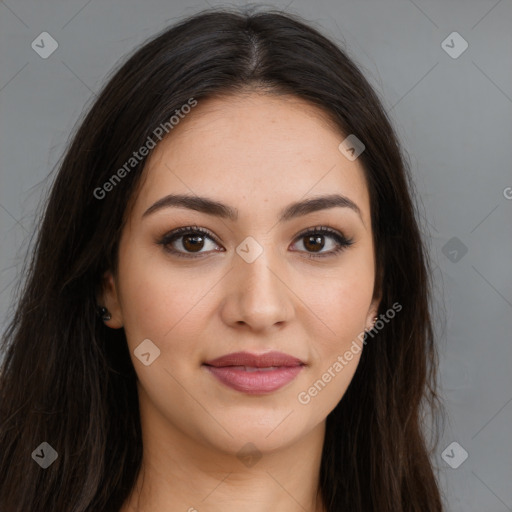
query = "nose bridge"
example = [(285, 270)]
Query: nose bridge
[(259, 295), (259, 276)]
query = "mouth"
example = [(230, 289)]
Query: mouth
[(252, 360), (252, 368), (255, 373)]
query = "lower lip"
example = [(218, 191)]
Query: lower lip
[(255, 382)]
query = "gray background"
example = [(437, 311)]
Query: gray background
[(453, 116)]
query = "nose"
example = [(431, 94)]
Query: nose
[(258, 294)]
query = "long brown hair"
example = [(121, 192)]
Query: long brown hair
[(68, 380)]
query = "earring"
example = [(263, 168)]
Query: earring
[(104, 313), (373, 325)]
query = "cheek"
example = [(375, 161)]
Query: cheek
[(341, 300), (337, 346), (158, 301), (338, 304), (167, 308), (345, 316)]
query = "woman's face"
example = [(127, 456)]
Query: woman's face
[(254, 282)]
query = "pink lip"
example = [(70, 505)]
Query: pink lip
[(231, 371), (255, 360)]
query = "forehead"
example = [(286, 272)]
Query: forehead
[(257, 150)]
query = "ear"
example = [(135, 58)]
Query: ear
[(109, 298), (372, 312)]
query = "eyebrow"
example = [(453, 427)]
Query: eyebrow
[(211, 207)]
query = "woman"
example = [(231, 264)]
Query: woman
[(228, 301)]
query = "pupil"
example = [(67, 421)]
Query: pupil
[(197, 243), (315, 241)]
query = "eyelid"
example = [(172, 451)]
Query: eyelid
[(324, 228)]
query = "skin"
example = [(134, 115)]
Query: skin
[(257, 153)]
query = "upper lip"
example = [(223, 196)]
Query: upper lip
[(255, 360)]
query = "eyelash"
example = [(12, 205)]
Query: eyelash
[(341, 241)]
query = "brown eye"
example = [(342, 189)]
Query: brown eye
[(314, 243), (193, 243), (189, 242)]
